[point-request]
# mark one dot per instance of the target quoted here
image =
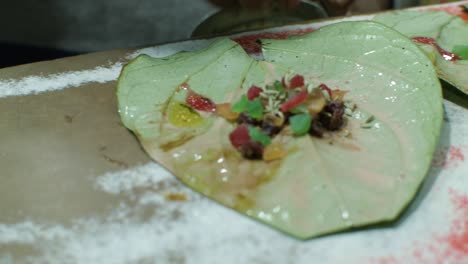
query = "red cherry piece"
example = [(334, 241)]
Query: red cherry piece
[(200, 103), (294, 101), (239, 136), (254, 92), (296, 81)]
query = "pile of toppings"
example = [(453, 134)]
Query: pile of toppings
[(289, 106)]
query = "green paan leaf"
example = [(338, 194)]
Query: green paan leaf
[(147, 87), (447, 30), (323, 185)]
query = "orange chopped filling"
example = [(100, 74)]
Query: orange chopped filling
[(224, 110), (176, 197), (338, 95), (274, 151)]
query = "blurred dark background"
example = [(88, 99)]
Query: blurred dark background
[(36, 30)]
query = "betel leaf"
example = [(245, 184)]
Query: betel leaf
[(374, 174), (447, 30), (148, 86), (322, 185), (141, 84), (416, 23)]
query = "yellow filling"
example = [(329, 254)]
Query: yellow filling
[(181, 115)]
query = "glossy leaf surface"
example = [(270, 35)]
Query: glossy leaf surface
[(448, 31), (354, 177)]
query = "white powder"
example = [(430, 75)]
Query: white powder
[(201, 231), (144, 227), (40, 84), (143, 176), (29, 232)]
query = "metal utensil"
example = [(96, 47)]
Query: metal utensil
[(241, 19)]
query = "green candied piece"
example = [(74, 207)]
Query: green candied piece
[(241, 105), (300, 124), (253, 108), (461, 51), (259, 136)]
